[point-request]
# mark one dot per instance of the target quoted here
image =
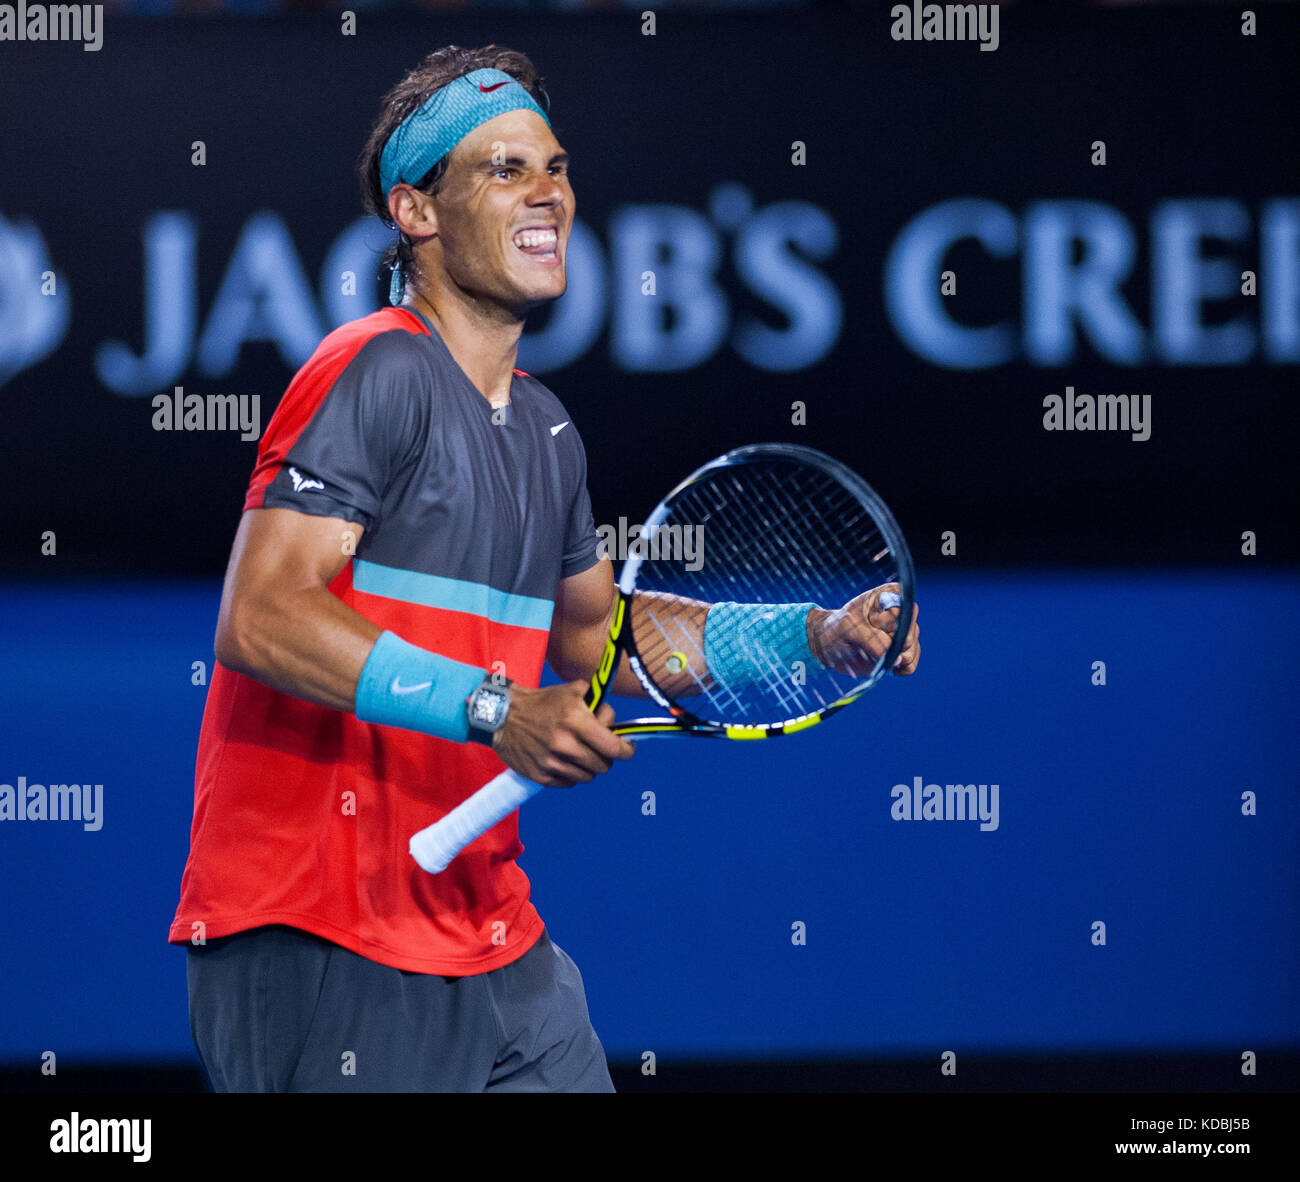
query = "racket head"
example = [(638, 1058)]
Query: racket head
[(773, 523)]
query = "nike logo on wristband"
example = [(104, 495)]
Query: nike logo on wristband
[(398, 688)]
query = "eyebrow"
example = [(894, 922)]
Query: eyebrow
[(520, 162)]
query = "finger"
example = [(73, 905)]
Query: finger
[(605, 717), (596, 734), (577, 770), (549, 780), (883, 618), (869, 644), (859, 658), (570, 754), (913, 637), (550, 770), (873, 645), (907, 662), (886, 618)]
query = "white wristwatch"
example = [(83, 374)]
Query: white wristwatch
[(488, 707)]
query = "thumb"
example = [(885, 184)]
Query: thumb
[(883, 613)]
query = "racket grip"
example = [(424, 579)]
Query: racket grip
[(436, 846)]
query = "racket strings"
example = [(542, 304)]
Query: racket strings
[(673, 634), (819, 575), (774, 532), (669, 636)]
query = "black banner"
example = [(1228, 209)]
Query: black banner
[(1045, 298)]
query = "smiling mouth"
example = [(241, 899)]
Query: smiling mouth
[(541, 244)]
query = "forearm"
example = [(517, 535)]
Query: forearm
[(577, 647), (306, 643), (688, 649), (281, 625), (688, 646), (312, 646), (669, 635)]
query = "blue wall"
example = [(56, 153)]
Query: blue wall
[(1118, 803)]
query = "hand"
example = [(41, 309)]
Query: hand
[(852, 639), (551, 738)]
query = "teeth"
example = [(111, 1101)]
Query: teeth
[(534, 237)]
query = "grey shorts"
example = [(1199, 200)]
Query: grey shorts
[(276, 1009)]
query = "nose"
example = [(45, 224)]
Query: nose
[(548, 190)]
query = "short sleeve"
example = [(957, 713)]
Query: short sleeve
[(581, 543), (340, 436)]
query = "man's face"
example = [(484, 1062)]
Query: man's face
[(505, 211)]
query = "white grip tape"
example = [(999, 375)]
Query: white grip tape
[(436, 847)]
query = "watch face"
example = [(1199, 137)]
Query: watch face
[(487, 708)]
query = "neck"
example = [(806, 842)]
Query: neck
[(484, 341)]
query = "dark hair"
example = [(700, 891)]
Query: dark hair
[(439, 68)]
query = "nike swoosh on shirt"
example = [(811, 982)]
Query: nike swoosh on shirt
[(398, 688), (557, 430)]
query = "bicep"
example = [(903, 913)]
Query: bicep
[(584, 604), (279, 552)]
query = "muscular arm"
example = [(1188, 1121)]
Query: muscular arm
[(279, 623), (584, 608), (849, 639)]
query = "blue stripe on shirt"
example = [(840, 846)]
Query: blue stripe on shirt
[(456, 595)]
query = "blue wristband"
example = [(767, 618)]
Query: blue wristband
[(402, 685), (744, 642)]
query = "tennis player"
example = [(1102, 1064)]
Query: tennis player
[(416, 541)]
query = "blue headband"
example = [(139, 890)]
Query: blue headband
[(448, 115)]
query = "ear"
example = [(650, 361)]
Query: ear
[(413, 212)]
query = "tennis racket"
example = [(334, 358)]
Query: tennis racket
[(772, 534)]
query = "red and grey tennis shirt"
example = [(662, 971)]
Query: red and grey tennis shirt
[(302, 814)]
